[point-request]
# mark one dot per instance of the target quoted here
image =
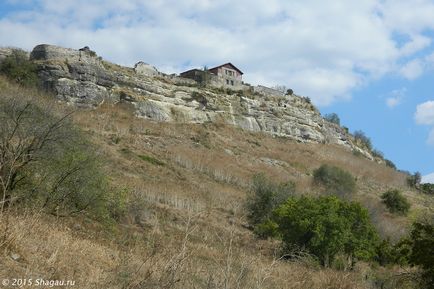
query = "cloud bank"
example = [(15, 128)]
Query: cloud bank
[(320, 49)]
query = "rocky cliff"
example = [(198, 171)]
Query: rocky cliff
[(84, 79)]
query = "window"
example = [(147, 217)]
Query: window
[(232, 82), (227, 81)]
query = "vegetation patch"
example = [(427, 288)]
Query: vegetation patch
[(335, 180), (264, 197), (47, 163), (151, 160), (18, 68), (325, 227), (396, 202)]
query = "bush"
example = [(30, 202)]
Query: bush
[(333, 118), (422, 251), (361, 137), (396, 202), (427, 188), (47, 163), (413, 181), (264, 197), (18, 68), (335, 180), (388, 253), (326, 227), (390, 164), (377, 154)]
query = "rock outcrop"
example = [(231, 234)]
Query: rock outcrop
[(82, 78)]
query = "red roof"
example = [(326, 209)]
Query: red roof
[(230, 64)]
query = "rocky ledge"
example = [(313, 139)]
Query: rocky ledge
[(84, 79)]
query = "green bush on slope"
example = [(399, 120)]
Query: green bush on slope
[(335, 180), (47, 163), (325, 227)]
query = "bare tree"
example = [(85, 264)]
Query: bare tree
[(44, 159)]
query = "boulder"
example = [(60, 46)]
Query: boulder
[(145, 69)]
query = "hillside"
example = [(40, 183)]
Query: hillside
[(84, 79), (184, 182)]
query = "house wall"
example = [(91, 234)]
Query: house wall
[(228, 77), (217, 77)]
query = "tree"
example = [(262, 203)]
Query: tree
[(46, 162), (264, 197), (395, 202), (333, 118), (334, 180), (427, 188), (205, 77), (414, 180), (390, 164), (326, 227), (422, 251), (18, 68), (361, 137)]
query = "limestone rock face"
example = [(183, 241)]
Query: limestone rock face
[(145, 69), (82, 78), (5, 52)]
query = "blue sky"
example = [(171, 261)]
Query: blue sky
[(371, 61)]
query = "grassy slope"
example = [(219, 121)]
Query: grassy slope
[(185, 227)]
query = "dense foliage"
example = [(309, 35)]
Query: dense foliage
[(46, 163), (333, 118), (414, 180), (18, 68), (335, 180), (326, 227), (264, 197), (361, 137), (390, 164), (427, 188), (395, 202), (421, 242)]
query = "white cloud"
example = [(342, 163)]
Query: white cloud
[(425, 113), (412, 69), (429, 178), (320, 49), (391, 102), (396, 97)]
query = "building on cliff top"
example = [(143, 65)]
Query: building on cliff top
[(226, 75)]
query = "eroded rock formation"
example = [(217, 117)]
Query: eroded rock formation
[(84, 79)]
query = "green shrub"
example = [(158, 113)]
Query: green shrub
[(18, 68), (396, 202), (422, 251), (264, 197), (325, 227), (47, 163), (335, 180), (427, 188), (388, 253), (390, 164), (413, 181), (377, 154), (361, 137), (333, 118)]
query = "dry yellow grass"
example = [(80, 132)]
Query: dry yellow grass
[(185, 227)]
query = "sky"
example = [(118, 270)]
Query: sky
[(370, 61)]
